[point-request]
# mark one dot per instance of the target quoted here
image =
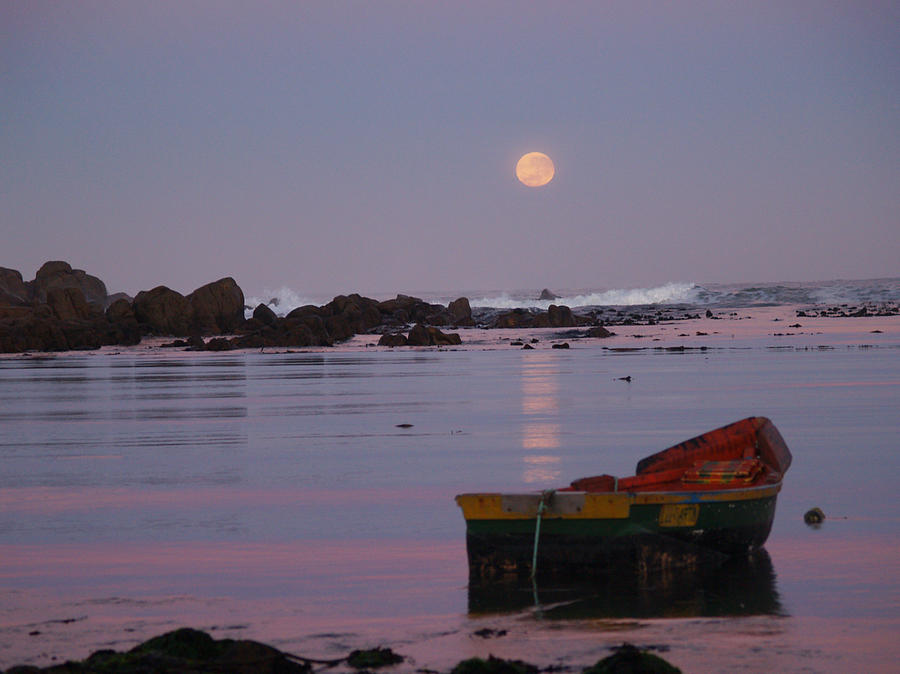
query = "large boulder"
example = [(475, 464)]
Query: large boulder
[(560, 316), (13, 291), (217, 308), (356, 314), (460, 312), (517, 318), (123, 326), (59, 274), (163, 311), (264, 314), (388, 339), (421, 335), (120, 310), (68, 304), (407, 309)]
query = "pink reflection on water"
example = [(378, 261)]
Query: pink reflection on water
[(79, 597), (50, 500)]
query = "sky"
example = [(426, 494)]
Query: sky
[(335, 147)]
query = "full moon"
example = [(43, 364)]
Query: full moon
[(535, 169)]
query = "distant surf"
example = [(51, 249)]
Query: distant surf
[(680, 294)]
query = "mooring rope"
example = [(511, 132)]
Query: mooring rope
[(546, 495)]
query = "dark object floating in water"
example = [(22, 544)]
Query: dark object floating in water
[(628, 378), (404, 425), (814, 516), (564, 345), (702, 500)]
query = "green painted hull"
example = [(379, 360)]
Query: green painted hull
[(638, 542)]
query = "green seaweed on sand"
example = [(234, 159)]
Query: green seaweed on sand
[(373, 658), (494, 666), (628, 659)]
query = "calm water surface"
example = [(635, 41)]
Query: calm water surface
[(275, 497)]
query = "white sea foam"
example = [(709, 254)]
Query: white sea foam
[(281, 301), (670, 293)]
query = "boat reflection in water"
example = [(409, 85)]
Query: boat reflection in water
[(743, 585)]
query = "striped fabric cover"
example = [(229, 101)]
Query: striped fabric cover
[(718, 472)]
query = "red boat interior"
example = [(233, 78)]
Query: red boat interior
[(746, 453)]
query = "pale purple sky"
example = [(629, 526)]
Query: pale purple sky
[(370, 146)]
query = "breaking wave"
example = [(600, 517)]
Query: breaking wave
[(283, 300), (670, 293)]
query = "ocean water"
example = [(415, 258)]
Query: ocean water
[(273, 496), (690, 295)]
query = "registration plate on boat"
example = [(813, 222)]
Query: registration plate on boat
[(679, 515)]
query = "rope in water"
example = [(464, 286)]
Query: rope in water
[(546, 495)]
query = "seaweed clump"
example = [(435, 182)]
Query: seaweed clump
[(628, 659), (494, 666), (373, 658)]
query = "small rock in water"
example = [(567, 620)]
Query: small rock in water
[(487, 633), (564, 345), (814, 516)]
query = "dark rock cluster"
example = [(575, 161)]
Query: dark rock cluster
[(348, 315), (67, 309), (420, 335), (849, 311)]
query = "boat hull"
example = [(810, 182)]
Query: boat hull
[(594, 534)]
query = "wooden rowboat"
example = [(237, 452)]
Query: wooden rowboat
[(709, 497)]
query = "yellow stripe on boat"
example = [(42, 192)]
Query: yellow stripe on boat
[(591, 505)]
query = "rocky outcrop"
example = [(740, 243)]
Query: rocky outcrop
[(60, 310), (264, 314), (460, 312), (58, 274), (163, 311), (13, 291), (555, 317), (69, 304), (548, 295), (216, 308), (388, 339), (213, 309), (422, 335), (560, 317)]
